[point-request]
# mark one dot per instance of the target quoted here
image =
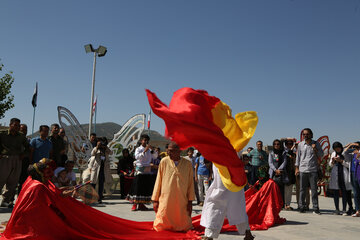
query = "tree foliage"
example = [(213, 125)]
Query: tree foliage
[(6, 98)]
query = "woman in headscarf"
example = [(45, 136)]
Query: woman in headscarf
[(339, 179), (277, 166)]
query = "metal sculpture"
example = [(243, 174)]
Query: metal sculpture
[(127, 137), (323, 163), (78, 141)]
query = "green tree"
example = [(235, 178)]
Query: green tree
[(6, 98)]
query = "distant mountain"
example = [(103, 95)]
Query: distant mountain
[(108, 130)]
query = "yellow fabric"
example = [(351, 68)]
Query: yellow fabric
[(174, 188), (239, 131)]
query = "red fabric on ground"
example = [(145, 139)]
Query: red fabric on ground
[(189, 122), (263, 208), (41, 213)]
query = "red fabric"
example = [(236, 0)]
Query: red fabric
[(41, 213), (189, 122), (263, 208)]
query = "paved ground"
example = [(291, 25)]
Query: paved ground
[(298, 226)]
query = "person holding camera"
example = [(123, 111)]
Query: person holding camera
[(99, 166), (340, 179), (307, 166)]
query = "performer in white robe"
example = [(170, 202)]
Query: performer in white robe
[(221, 203)]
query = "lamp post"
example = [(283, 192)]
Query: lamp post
[(100, 52)]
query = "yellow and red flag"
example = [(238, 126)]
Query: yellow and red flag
[(194, 118)]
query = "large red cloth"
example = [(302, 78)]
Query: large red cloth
[(262, 207), (41, 213), (189, 122)]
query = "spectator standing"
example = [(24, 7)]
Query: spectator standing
[(155, 161), (25, 161), (351, 154), (58, 145), (258, 158), (93, 139), (126, 172), (142, 186), (190, 156), (277, 166), (13, 146), (203, 177), (93, 142), (340, 179), (40, 147), (290, 170), (99, 166), (62, 134), (307, 166)]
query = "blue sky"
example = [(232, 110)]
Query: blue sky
[(297, 63)]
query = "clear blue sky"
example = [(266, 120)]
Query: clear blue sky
[(297, 63)]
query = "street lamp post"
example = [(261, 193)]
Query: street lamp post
[(100, 52)]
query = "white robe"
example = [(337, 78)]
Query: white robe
[(220, 203)]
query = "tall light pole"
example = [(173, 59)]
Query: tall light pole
[(100, 52)]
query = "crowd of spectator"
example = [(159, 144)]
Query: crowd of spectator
[(289, 163), (292, 163)]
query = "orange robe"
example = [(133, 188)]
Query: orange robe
[(174, 188)]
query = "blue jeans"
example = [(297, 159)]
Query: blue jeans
[(356, 189)]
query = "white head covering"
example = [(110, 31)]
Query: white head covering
[(58, 170)]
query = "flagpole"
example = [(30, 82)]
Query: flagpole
[(33, 123), (148, 123), (95, 116)]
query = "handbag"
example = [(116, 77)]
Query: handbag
[(281, 179)]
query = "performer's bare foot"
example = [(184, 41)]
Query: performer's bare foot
[(248, 235)]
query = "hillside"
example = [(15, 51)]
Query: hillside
[(108, 130)]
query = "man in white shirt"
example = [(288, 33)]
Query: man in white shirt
[(143, 183)]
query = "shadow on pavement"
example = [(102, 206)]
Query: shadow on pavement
[(294, 223), (5, 210)]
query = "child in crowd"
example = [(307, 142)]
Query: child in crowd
[(248, 168), (69, 166), (61, 179)]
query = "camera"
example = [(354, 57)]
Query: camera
[(103, 144)]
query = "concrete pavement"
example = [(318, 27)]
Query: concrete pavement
[(298, 226)]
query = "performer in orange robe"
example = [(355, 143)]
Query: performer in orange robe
[(173, 192)]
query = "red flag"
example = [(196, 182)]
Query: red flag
[(189, 122), (149, 119), (94, 105)]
